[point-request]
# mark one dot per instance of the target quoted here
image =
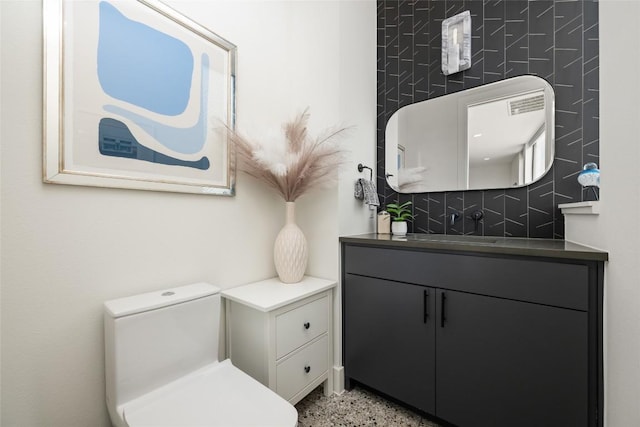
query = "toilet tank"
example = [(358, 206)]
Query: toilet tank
[(157, 337)]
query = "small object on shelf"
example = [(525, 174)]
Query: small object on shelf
[(589, 177)]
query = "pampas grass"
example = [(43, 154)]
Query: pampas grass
[(294, 164)]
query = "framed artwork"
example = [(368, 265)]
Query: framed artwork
[(136, 96)]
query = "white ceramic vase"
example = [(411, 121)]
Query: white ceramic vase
[(399, 228), (290, 253)]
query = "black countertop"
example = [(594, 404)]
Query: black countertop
[(483, 244)]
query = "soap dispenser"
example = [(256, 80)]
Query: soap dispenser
[(384, 222)]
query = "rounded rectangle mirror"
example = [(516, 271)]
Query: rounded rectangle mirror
[(499, 135)]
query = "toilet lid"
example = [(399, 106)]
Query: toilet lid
[(219, 395)]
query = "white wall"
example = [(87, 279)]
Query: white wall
[(437, 148), (620, 151), (67, 249), (491, 175), (616, 229), (0, 223), (357, 107)]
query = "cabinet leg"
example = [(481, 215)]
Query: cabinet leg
[(326, 388)]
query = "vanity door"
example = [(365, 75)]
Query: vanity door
[(389, 338), (502, 362)]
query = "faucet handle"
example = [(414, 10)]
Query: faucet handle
[(476, 216)]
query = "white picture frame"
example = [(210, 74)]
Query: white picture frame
[(136, 96)]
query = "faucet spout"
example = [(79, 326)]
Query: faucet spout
[(454, 216)]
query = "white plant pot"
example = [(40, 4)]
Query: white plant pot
[(399, 228)]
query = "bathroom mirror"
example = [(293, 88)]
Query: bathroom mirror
[(498, 135)]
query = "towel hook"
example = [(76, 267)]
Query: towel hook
[(361, 167)]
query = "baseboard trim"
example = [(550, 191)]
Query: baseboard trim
[(338, 380)]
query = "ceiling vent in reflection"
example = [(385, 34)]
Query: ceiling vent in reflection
[(526, 105)]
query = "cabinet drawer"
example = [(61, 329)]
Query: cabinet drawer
[(292, 375), (299, 326), (525, 279)]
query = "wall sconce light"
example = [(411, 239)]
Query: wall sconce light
[(456, 43)]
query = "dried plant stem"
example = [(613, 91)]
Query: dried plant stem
[(309, 162)]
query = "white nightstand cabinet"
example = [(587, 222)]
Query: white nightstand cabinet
[(282, 334)]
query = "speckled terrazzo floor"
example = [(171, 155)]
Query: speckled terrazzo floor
[(357, 407)]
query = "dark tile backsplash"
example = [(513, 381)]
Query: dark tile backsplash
[(556, 40)]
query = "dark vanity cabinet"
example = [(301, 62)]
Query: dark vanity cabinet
[(475, 339), (380, 339), (504, 363)]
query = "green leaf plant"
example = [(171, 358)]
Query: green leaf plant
[(400, 212)]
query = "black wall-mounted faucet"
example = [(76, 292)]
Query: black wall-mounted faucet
[(476, 216)]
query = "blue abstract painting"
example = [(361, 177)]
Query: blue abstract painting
[(137, 95), (142, 66), (115, 139), (147, 68)]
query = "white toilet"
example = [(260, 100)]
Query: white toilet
[(162, 368)]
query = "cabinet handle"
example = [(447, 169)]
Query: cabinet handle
[(307, 369), (307, 325), (425, 301), (442, 305)]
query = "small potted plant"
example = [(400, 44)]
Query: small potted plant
[(399, 216)]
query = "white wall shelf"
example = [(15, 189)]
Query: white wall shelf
[(581, 208)]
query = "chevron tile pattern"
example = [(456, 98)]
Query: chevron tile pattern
[(553, 39)]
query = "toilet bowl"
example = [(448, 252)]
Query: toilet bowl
[(162, 367)]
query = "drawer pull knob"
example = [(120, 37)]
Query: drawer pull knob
[(307, 369), (307, 325)]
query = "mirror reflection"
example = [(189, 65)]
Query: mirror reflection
[(498, 135)]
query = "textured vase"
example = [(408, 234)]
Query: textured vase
[(290, 251)]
